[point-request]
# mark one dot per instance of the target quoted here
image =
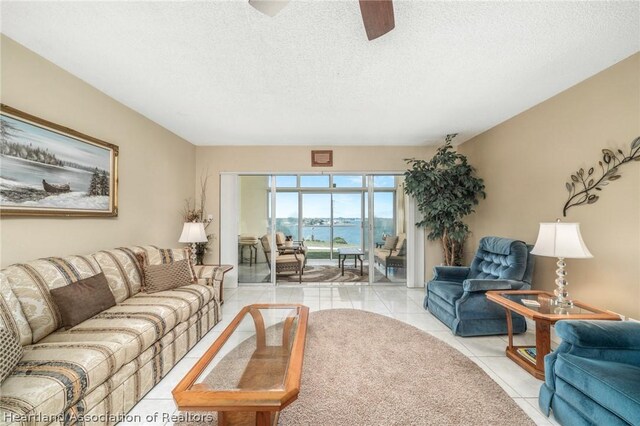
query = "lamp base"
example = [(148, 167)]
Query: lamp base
[(562, 294), (194, 257)]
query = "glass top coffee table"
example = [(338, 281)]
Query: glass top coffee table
[(253, 370), (544, 313)]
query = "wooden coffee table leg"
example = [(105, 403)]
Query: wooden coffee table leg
[(343, 260), (543, 343), (360, 257), (263, 418)]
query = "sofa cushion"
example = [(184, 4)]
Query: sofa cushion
[(290, 258), (11, 316), (32, 281), (83, 299), (166, 276), (135, 328), (614, 385), (10, 353), (186, 300), (123, 271), (52, 377), (446, 290)]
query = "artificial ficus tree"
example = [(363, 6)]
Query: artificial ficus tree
[(446, 190)]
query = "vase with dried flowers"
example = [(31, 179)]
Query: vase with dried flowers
[(195, 212)]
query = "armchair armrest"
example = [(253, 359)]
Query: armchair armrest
[(600, 334), (484, 285), (451, 273)]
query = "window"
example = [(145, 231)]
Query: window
[(384, 181), (286, 181), (287, 213), (315, 181), (340, 181)]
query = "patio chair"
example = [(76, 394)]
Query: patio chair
[(298, 246), (289, 262)]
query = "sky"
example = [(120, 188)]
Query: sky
[(65, 148)]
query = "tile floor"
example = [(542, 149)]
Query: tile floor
[(402, 303)]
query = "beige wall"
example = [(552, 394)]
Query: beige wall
[(214, 160), (156, 166), (526, 161)]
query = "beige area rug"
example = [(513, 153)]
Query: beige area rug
[(362, 368)]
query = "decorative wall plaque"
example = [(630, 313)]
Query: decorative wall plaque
[(322, 158)]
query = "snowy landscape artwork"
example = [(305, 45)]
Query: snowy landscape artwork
[(46, 169)]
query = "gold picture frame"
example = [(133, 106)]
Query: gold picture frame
[(82, 170)]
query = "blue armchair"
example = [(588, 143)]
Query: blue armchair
[(456, 295), (593, 378)]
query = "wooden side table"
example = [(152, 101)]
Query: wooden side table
[(544, 316)]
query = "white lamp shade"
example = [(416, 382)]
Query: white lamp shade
[(559, 239), (193, 232), (269, 7)]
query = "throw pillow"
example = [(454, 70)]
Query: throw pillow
[(390, 242), (10, 353), (83, 299), (164, 256), (166, 276)]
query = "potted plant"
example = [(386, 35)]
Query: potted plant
[(446, 190)]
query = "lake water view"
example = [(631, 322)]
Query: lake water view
[(351, 233), (31, 173)]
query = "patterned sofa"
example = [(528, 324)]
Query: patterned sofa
[(97, 371)]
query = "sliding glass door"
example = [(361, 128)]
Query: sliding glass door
[(387, 229), (254, 224), (328, 213)]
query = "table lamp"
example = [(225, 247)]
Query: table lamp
[(193, 232), (561, 240)]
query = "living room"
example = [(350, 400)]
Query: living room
[(181, 91)]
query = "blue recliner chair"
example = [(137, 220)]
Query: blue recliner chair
[(456, 295), (593, 378)]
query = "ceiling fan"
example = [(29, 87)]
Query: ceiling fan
[(377, 15)]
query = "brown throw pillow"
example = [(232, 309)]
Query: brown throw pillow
[(166, 276), (10, 353), (83, 299)]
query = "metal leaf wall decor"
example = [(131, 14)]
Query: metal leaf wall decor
[(585, 185)]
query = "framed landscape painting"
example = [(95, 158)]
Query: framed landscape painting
[(50, 170)]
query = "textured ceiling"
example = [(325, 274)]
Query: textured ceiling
[(222, 73)]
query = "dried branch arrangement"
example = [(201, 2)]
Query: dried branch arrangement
[(583, 186)]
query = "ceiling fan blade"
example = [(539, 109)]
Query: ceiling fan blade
[(377, 16), (269, 7)]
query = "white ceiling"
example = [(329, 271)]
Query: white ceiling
[(221, 73)]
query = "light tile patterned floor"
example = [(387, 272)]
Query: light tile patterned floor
[(404, 304)]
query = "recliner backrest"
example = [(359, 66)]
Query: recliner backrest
[(502, 258)]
